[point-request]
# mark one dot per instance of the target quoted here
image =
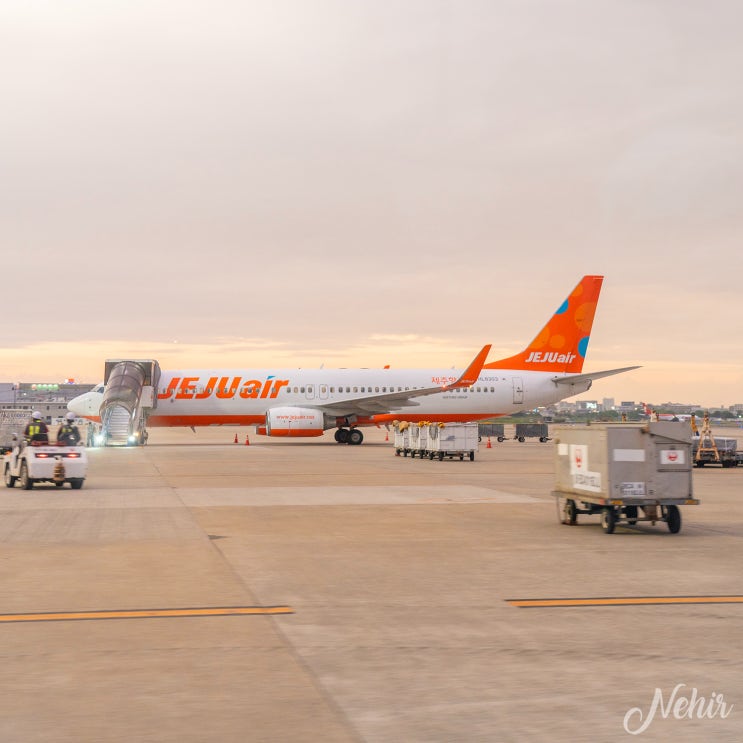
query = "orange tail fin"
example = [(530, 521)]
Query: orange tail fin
[(562, 343)]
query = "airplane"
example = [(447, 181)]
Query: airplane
[(308, 402), (683, 417)]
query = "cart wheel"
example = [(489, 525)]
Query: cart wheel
[(9, 479), (673, 519), (501, 439), (26, 482), (631, 513), (608, 520), (461, 457), (570, 512), (59, 484), (441, 456), (522, 439), (472, 456)]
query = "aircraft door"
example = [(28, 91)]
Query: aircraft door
[(518, 390)]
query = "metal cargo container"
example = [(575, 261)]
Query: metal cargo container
[(618, 470), (418, 439), (402, 438), (498, 430), (453, 440), (531, 431)]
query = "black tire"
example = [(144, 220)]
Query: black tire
[(631, 513), (608, 520), (355, 437), (461, 457), (673, 519), (441, 456), (472, 456), (27, 483), (9, 479), (501, 439), (699, 463), (58, 484), (571, 512), (522, 439), (341, 435)]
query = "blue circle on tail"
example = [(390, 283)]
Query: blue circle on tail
[(562, 308), (583, 345)]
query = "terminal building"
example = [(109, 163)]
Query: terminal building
[(49, 398)]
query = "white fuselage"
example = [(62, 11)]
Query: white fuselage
[(197, 397)]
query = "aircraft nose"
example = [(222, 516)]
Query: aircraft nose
[(78, 405)]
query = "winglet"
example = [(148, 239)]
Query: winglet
[(472, 372)]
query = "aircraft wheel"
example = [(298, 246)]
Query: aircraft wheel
[(341, 435), (355, 437)]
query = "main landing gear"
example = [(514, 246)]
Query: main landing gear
[(349, 436)]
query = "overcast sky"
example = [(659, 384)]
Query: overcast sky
[(361, 183)]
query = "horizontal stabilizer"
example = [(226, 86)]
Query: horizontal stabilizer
[(578, 378)]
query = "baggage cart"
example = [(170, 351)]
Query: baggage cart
[(452, 440), (419, 439), (496, 430), (532, 431), (402, 438), (624, 472)]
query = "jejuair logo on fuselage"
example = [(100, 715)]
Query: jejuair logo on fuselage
[(552, 357), (225, 388)]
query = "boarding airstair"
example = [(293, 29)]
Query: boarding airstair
[(129, 396)]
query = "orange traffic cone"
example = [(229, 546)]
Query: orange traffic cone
[(489, 446), (247, 440), (236, 441)]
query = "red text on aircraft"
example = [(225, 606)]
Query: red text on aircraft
[(224, 388)]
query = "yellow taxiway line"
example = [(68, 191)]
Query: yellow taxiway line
[(216, 611), (628, 601)]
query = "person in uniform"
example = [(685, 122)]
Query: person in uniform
[(36, 430), (68, 434)]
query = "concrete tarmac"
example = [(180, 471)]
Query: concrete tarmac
[(398, 574)]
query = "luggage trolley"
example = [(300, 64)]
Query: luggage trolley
[(624, 472)]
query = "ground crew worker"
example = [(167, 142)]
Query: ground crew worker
[(68, 434), (36, 430)]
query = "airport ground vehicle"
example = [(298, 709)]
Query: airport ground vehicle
[(624, 472), (726, 448), (36, 463)]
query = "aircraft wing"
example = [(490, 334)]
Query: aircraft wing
[(374, 404), (578, 378)]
